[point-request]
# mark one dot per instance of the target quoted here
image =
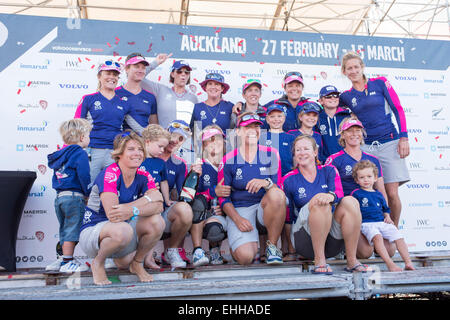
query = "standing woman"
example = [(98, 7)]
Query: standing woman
[(326, 221), (372, 101), (252, 171), (143, 102), (122, 218), (107, 112), (174, 102), (214, 110)]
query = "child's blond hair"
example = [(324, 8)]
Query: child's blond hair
[(364, 164), (72, 130), (153, 132)]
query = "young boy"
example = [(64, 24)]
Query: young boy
[(376, 222), (71, 180), (329, 120), (156, 139), (282, 141), (307, 118)]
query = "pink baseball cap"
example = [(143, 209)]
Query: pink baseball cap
[(136, 60), (249, 119), (110, 65), (211, 133), (293, 76), (350, 123)]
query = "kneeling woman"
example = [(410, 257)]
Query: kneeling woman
[(326, 220), (252, 171), (122, 218)]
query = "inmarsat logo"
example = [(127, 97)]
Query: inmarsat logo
[(3, 34)]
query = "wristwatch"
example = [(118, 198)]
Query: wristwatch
[(135, 213), (270, 183), (334, 195)]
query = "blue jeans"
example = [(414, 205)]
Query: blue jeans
[(69, 211)]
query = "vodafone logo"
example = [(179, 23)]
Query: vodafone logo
[(3, 34)]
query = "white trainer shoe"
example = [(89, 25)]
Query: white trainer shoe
[(173, 257), (73, 266), (55, 265)]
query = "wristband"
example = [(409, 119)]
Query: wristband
[(334, 197), (148, 198), (135, 213)]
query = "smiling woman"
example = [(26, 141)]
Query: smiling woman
[(106, 111), (122, 218)]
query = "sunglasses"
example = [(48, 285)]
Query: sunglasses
[(249, 117), (178, 125), (183, 71), (293, 73), (334, 95), (110, 63), (310, 108)]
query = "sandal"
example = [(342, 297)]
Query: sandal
[(290, 256), (326, 266), (359, 265)]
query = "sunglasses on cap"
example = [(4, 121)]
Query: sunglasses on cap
[(249, 117), (125, 134), (293, 73), (178, 125), (310, 107), (333, 95), (110, 63)]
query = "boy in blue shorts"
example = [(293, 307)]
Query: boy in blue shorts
[(71, 180), (376, 222)]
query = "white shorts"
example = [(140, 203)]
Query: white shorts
[(387, 231), (236, 237), (89, 240), (394, 168)]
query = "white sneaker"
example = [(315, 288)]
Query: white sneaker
[(173, 257), (55, 265), (216, 257), (200, 258), (73, 266)]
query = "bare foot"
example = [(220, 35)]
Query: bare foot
[(99, 273), (151, 264), (409, 267), (138, 269)]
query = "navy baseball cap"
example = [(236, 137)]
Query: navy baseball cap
[(274, 107), (311, 107), (177, 65), (328, 90)]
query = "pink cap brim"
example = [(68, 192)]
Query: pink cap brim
[(136, 60), (211, 133), (246, 123), (350, 124), (293, 78), (107, 68)]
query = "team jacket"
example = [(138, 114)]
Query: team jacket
[(373, 107), (71, 169)]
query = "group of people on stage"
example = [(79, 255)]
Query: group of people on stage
[(321, 176)]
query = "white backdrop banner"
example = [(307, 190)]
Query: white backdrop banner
[(48, 64)]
